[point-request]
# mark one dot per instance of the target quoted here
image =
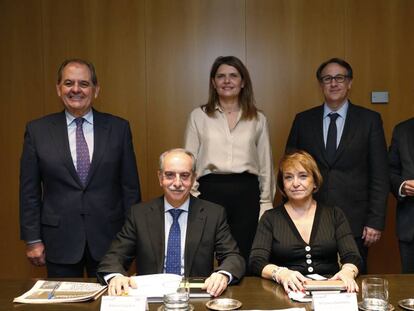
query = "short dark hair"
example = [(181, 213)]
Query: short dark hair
[(246, 96), (338, 61), (90, 66), (303, 158)]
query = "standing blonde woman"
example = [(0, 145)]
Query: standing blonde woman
[(230, 140)]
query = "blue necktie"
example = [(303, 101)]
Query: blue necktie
[(82, 152), (331, 138), (173, 262)]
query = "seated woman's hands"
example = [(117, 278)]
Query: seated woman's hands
[(347, 275), (119, 285), (291, 280)]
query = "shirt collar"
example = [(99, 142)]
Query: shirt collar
[(341, 111), (70, 118), (184, 206)]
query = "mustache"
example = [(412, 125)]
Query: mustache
[(172, 188)]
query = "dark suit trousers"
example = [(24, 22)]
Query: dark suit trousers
[(240, 196), (407, 256), (56, 270), (363, 251)]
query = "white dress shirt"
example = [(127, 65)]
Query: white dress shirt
[(87, 132), (182, 221), (340, 121)]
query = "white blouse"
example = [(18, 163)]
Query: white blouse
[(219, 150)]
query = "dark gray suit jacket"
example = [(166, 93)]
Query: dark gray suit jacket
[(143, 238), (401, 157), (358, 180), (56, 207)]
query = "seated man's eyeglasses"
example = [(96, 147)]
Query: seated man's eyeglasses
[(338, 78), (184, 176)]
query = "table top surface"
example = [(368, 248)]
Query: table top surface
[(253, 292)]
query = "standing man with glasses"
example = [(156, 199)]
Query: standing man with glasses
[(78, 178), (348, 143), (176, 233)]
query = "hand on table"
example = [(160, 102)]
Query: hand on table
[(347, 276), (216, 284), (291, 280), (119, 285)]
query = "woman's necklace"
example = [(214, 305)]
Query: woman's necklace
[(231, 110)]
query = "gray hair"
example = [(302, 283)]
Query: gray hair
[(177, 150)]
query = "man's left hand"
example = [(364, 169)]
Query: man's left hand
[(371, 236), (216, 284)]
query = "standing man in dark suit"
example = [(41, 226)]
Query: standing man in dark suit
[(401, 157), (149, 230), (348, 143), (78, 178)]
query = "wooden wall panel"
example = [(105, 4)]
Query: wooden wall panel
[(111, 35), (21, 63), (286, 42), (183, 39), (382, 60)]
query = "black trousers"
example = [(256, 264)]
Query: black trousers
[(407, 256), (363, 250), (57, 270), (239, 194)]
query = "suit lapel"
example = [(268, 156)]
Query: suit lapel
[(101, 130), (318, 122), (59, 134), (350, 127), (195, 227), (409, 139), (156, 224)]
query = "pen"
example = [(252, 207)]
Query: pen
[(52, 293)]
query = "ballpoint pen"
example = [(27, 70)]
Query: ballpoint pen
[(52, 293)]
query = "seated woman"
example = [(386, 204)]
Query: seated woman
[(301, 236)]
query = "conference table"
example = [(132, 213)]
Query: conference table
[(253, 292)]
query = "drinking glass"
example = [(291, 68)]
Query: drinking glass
[(178, 299), (375, 294)]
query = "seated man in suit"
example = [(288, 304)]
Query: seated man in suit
[(176, 233)]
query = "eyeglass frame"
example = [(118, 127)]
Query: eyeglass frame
[(172, 176), (338, 76)]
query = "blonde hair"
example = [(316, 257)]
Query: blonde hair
[(292, 160)]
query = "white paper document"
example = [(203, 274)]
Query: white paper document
[(155, 286), (123, 303), (337, 302)]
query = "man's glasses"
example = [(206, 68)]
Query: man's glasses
[(185, 176), (338, 78)]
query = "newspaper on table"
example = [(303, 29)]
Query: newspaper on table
[(58, 292)]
